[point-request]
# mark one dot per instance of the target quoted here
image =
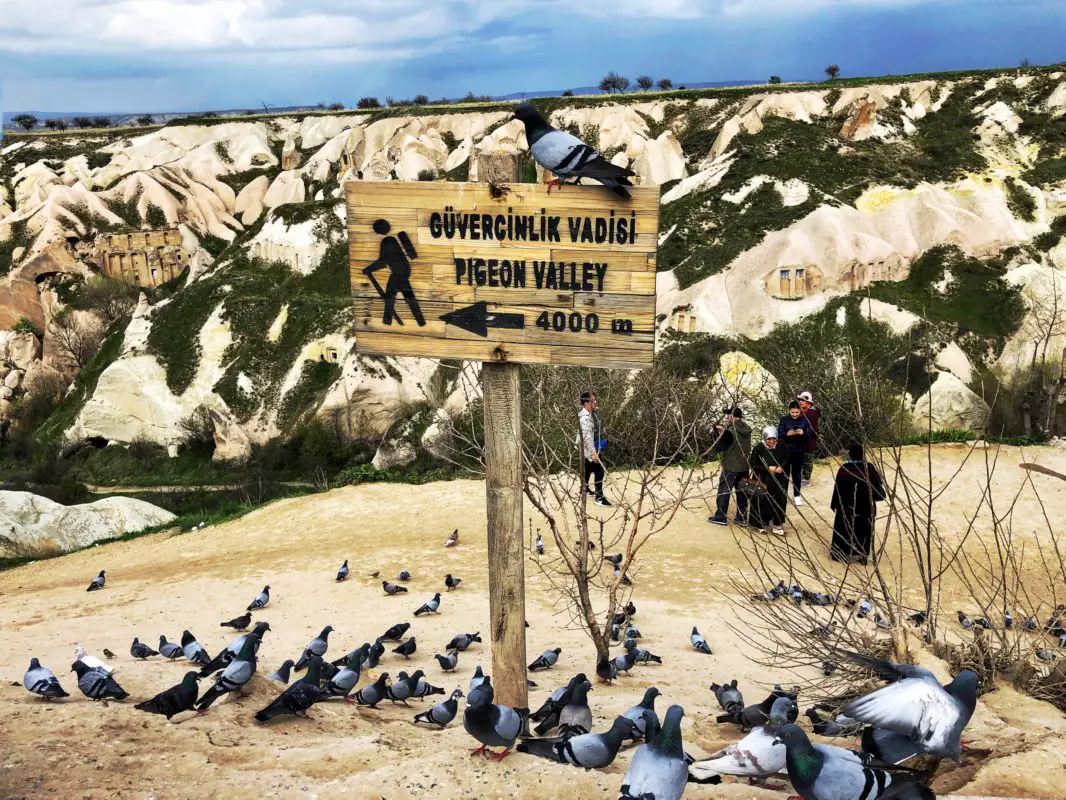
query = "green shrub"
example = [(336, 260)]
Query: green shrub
[(155, 217), (23, 325), (1020, 201)]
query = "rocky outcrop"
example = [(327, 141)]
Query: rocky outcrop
[(950, 405), (744, 382), (31, 525)]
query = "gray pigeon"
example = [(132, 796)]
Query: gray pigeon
[(625, 662), (825, 771), (392, 588), (576, 716), (341, 684), (169, 649), (299, 697), (261, 600), (374, 693), (42, 681), (492, 725), (637, 713), (640, 655), (588, 750), (449, 662), (658, 770), (403, 688), (914, 704), (281, 674), (423, 689), (462, 641), (833, 728), (699, 642), (755, 756), (374, 654), (240, 623), (395, 633), (194, 651), (407, 649), (568, 157), (174, 700), (442, 713), (728, 696), (316, 647), (222, 660), (548, 714), (964, 620), (97, 582), (140, 650), (606, 670), (452, 583), (403, 575), (758, 714), (545, 660), (342, 573), (430, 606), (97, 684), (236, 674)]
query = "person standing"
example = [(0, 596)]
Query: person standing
[(857, 490), (766, 510), (814, 416), (794, 431), (734, 443), (592, 443)]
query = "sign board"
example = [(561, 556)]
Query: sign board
[(505, 274)]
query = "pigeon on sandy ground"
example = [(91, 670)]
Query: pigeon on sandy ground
[(373, 694), (281, 674), (316, 647), (462, 641), (140, 650), (588, 750), (169, 650), (97, 582), (90, 661), (392, 588), (453, 539), (233, 678), (637, 713), (755, 757), (658, 768), (342, 573), (442, 713), (42, 681), (97, 684), (174, 700), (545, 660), (194, 651), (431, 606), (698, 642), (261, 600), (299, 697), (449, 662), (240, 623), (492, 725)]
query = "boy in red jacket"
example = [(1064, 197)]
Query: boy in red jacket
[(814, 416)]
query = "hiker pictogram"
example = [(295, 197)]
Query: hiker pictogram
[(395, 254)]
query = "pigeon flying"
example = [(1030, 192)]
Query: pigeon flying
[(174, 700), (699, 642), (97, 582), (140, 650), (430, 606), (240, 623), (546, 659), (42, 681), (658, 769), (316, 647), (342, 573), (261, 599), (97, 684), (568, 157), (442, 713)]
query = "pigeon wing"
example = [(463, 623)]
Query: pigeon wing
[(559, 149), (915, 708)]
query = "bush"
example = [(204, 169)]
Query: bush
[(368, 102), (775, 79), (101, 122), (568, 93), (1020, 201), (146, 119), (155, 217), (427, 175), (335, 107), (98, 160), (833, 71), (25, 121), (645, 82), (665, 84), (55, 124), (83, 122), (421, 100), (23, 325)]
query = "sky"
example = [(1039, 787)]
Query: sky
[(166, 55)]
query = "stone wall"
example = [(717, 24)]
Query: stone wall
[(144, 258)]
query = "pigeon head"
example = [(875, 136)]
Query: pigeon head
[(779, 711), (964, 688), (326, 631), (35, 663), (101, 573), (266, 588), (557, 650), (457, 694), (418, 674), (191, 677), (261, 628), (79, 667), (670, 736), (80, 652), (536, 125), (187, 638), (649, 697), (792, 735)]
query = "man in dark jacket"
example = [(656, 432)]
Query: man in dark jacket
[(734, 443), (814, 444)]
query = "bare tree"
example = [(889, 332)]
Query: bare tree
[(109, 299), (775, 79), (665, 84), (645, 82), (369, 102), (832, 71), (55, 124), (75, 339), (612, 82), (25, 121)]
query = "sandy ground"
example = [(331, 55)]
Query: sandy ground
[(164, 583)]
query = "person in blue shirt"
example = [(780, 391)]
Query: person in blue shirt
[(794, 432)]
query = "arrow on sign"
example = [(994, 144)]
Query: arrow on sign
[(477, 319)]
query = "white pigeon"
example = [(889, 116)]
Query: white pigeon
[(90, 661), (754, 757)]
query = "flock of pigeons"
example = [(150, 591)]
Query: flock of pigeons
[(910, 716)]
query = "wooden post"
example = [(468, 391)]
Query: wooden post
[(501, 389)]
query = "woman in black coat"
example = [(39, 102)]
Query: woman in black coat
[(766, 511), (858, 488)]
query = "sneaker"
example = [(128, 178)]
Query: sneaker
[(602, 501), (718, 520), (740, 523), (805, 483), (779, 531), (798, 500)]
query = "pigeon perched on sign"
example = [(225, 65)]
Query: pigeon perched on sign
[(545, 660), (342, 573), (588, 750), (174, 700), (658, 769), (442, 713), (462, 641), (755, 756), (299, 697), (316, 647), (140, 650), (699, 642), (194, 651), (281, 674), (236, 674), (822, 770), (392, 588), (97, 582), (169, 649), (430, 606), (492, 725), (915, 705), (566, 156), (240, 623), (452, 583), (42, 681), (96, 684), (261, 600), (373, 694)]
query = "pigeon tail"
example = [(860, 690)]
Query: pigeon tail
[(542, 748)]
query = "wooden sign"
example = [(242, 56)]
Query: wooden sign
[(505, 274)]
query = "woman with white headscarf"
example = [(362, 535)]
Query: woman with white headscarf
[(769, 502)]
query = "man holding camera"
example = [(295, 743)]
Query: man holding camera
[(734, 443)]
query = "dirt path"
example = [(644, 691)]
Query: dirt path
[(164, 583)]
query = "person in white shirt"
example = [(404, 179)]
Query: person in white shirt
[(591, 444)]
